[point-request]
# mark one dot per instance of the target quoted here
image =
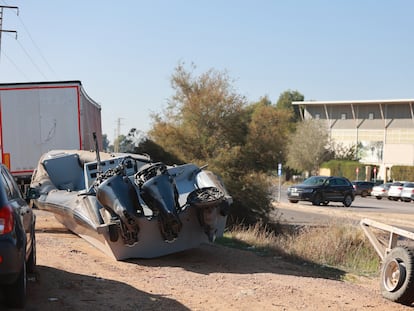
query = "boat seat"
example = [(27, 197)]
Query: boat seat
[(65, 172)]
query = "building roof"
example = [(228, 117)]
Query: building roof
[(354, 102), (40, 83)]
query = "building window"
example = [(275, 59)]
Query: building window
[(343, 116), (371, 116), (317, 116)]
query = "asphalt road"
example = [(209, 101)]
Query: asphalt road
[(397, 213)]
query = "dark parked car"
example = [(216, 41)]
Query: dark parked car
[(363, 188), (322, 190), (17, 241)]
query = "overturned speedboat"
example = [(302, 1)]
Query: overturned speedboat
[(128, 206)]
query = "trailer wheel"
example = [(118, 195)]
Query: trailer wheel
[(397, 276)]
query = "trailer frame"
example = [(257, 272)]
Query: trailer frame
[(397, 261)]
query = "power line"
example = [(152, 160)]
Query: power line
[(15, 66), (36, 46), (31, 60), (20, 44), (2, 7)]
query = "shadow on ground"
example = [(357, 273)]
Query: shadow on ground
[(223, 259), (54, 289)]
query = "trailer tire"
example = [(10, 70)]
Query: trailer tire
[(397, 276)]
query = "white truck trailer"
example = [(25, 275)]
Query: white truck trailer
[(38, 117)]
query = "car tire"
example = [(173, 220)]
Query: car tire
[(31, 261), (293, 201), (379, 198), (347, 200), (15, 293), (317, 199), (325, 203), (397, 276)]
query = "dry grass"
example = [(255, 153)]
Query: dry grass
[(337, 245)]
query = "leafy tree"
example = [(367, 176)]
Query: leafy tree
[(343, 152), (203, 117), (285, 103), (308, 146), (157, 153), (207, 122), (268, 131), (105, 142)]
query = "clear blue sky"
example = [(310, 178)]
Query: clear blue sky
[(124, 52)]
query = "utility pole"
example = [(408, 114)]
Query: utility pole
[(2, 7), (118, 133)]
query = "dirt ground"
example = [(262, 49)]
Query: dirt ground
[(73, 275)]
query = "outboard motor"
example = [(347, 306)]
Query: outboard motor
[(210, 203), (116, 193), (159, 192)]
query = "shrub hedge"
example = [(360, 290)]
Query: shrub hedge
[(348, 169), (402, 172)]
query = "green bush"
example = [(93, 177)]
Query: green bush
[(251, 198), (348, 168), (401, 172)]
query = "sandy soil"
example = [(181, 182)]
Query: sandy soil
[(73, 275)]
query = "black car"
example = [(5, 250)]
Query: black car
[(363, 188), (322, 190), (17, 241)]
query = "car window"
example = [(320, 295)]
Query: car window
[(409, 185), (10, 186), (341, 182), (314, 180), (332, 182), (6, 186)]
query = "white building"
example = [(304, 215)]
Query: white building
[(384, 128)]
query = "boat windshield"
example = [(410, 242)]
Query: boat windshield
[(314, 181)]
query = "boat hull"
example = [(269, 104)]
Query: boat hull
[(134, 228)]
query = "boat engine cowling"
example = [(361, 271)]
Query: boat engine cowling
[(159, 192), (118, 196), (210, 203)]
